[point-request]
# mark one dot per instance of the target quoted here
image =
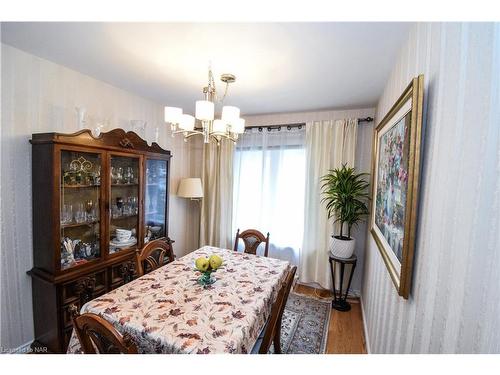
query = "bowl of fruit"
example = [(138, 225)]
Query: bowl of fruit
[(207, 266)]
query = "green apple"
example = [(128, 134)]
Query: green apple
[(202, 264), (215, 261)]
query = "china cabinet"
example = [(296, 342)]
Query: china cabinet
[(96, 200)]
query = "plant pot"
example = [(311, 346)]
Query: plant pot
[(342, 247)]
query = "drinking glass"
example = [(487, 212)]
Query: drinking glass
[(116, 211), (97, 177), (67, 214), (134, 176), (80, 214), (133, 205), (89, 206), (113, 175), (126, 207), (119, 175), (128, 175)]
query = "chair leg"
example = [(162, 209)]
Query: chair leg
[(277, 340)]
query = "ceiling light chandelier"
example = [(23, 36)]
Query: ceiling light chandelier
[(229, 126)]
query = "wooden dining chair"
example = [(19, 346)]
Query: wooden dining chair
[(271, 334), (98, 336), (252, 238), (154, 255)]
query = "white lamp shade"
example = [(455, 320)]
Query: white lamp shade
[(238, 126), (190, 188), (230, 114), (205, 110), (186, 122), (219, 126), (173, 115)]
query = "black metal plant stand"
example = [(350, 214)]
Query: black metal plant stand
[(339, 297)]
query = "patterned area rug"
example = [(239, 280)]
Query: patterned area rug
[(304, 328)]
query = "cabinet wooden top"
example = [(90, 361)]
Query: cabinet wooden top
[(116, 139)]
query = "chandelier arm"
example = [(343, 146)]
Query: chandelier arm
[(222, 135), (192, 133)]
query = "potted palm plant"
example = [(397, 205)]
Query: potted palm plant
[(345, 193)]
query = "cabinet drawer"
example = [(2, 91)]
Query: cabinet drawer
[(84, 288), (121, 274), (66, 315)]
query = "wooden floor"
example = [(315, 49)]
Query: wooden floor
[(345, 332)]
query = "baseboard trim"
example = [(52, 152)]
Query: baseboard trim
[(365, 327), (352, 293)]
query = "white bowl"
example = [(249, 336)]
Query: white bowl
[(123, 235)]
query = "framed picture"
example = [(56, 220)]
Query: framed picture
[(396, 172)]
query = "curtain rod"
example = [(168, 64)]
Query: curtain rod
[(295, 125)]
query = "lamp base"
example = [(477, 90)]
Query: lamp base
[(341, 305)]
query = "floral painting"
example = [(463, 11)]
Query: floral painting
[(392, 182), (396, 170)]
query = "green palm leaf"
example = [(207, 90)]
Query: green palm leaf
[(345, 195)]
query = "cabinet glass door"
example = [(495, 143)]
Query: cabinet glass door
[(124, 203), (80, 207), (155, 205)]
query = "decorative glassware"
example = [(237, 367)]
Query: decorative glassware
[(81, 119), (124, 195), (119, 175), (113, 175), (134, 205), (119, 202), (80, 214), (67, 214), (97, 176), (116, 212), (80, 211), (139, 127), (127, 176), (90, 209), (206, 278)]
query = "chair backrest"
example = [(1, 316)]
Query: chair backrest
[(277, 310), (154, 255), (98, 336), (252, 238)]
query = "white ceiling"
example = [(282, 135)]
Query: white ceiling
[(280, 67)]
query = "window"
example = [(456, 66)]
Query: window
[(269, 183)]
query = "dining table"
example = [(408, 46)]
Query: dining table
[(168, 311)]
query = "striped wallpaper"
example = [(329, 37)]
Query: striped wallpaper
[(454, 306), (40, 96)]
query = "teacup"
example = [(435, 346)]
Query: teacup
[(123, 235)]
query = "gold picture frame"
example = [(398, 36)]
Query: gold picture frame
[(397, 144)]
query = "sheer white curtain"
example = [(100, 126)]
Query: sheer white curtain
[(269, 185), (329, 144)]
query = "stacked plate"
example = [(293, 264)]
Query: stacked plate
[(127, 243)]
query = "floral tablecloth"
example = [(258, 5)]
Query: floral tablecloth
[(166, 311)]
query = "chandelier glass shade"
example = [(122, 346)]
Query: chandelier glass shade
[(228, 126)]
